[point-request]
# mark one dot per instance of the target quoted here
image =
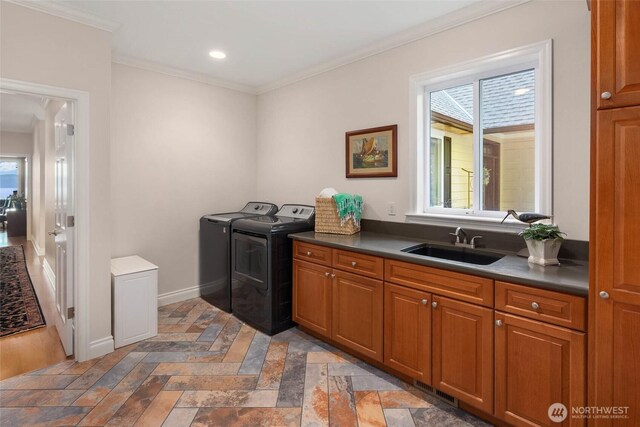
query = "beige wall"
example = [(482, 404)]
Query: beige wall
[(15, 143), (179, 150), (301, 127), (41, 48)]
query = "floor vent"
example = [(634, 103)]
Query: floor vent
[(436, 393)]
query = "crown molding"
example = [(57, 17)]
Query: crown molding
[(459, 17), (179, 72), (62, 11)]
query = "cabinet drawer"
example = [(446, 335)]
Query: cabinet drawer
[(313, 253), (478, 290), (540, 304), (365, 265)]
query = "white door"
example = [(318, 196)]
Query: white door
[(63, 232)]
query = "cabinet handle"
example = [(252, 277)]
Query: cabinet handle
[(434, 304), (605, 95), (498, 322), (424, 302), (333, 276), (308, 253), (535, 305), (327, 274), (604, 294), (353, 263)]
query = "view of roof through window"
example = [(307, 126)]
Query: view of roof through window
[(508, 100)]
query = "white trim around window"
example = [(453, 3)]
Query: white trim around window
[(537, 56)]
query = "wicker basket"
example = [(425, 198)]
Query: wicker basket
[(328, 221)]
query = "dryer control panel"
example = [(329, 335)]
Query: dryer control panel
[(296, 211)]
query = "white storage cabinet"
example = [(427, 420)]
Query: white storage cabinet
[(134, 288)]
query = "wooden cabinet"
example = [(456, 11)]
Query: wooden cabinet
[(312, 296), (439, 327), (407, 331), (615, 275), (16, 222), (366, 265), (616, 45), (540, 304), (537, 365), (463, 351), (465, 287), (312, 253), (357, 313), (614, 299)]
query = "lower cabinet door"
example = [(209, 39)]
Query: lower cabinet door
[(463, 351), (538, 365), (312, 296), (407, 331), (357, 313)]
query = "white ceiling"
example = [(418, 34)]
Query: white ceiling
[(267, 41), (17, 112)]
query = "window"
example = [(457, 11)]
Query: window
[(9, 177), (483, 136)]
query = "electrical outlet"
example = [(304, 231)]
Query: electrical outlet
[(391, 210)]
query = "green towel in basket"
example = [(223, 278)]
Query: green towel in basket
[(349, 206)]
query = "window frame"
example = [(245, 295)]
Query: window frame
[(536, 56)]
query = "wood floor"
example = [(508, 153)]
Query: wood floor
[(206, 368), (36, 349)]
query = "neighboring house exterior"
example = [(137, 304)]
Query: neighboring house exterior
[(507, 116)]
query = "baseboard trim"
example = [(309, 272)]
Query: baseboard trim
[(36, 247), (100, 347), (182, 294), (49, 274)]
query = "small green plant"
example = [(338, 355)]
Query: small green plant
[(542, 232)]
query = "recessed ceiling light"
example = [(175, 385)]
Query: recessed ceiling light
[(217, 54), (521, 91)]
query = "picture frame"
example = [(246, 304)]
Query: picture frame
[(372, 153)]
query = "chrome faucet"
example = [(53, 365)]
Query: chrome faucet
[(461, 238), (460, 233)]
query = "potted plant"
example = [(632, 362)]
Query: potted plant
[(543, 242)]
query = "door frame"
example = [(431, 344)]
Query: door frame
[(81, 152)]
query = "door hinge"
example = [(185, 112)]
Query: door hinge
[(71, 130), (71, 312), (71, 221)]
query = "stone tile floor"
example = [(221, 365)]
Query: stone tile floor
[(206, 368)]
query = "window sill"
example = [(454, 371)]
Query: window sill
[(510, 225)]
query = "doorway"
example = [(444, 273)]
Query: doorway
[(51, 246)]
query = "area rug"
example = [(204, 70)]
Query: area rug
[(19, 306)]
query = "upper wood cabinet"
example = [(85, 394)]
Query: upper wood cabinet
[(616, 47), (537, 365), (357, 313), (407, 331), (312, 296), (462, 351)]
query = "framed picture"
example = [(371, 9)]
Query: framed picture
[(372, 153)]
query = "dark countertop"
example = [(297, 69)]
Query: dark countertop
[(571, 276)]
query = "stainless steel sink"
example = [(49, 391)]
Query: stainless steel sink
[(469, 256)]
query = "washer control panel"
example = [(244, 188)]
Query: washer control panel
[(296, 211)]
